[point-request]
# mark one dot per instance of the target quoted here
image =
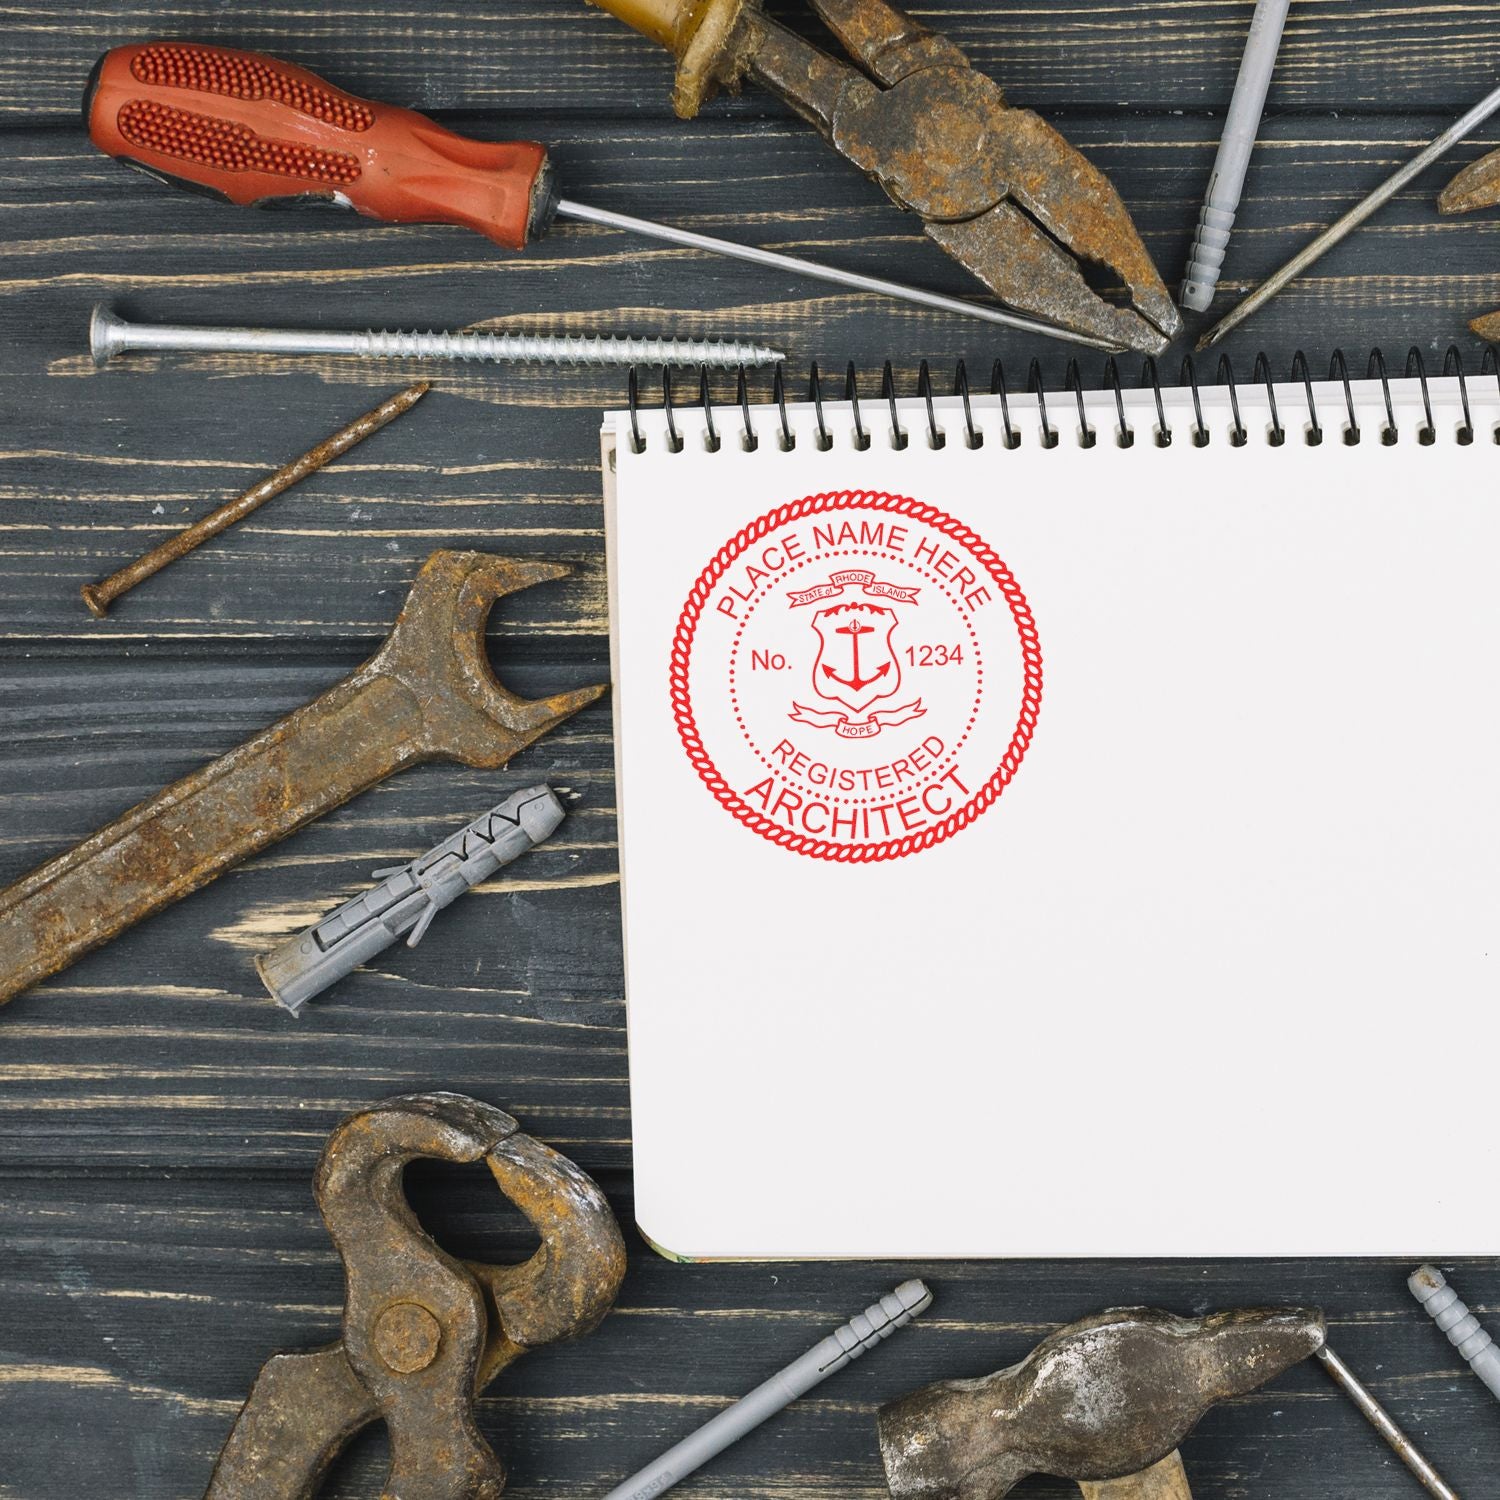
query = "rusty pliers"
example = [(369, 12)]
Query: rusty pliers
[(423, 1333), (1476, 187), (1001, 191)]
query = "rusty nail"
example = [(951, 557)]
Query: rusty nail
[(99, 596)]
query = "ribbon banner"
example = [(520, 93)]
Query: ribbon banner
[(854, 578), (857, 729)]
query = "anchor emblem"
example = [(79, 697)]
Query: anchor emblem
[(857, 665), (856, 683)]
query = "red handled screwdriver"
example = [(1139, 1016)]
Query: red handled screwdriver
[(253, 130)]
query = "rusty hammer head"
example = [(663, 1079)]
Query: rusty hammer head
[(1104, 1399)]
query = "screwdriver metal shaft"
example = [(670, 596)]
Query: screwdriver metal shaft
[(567, 209), (1351, 221)]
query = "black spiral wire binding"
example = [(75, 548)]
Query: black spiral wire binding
[(748, 440), (1490, 365), (1262, 372), (1150, 377), (1190, 380), (824, 439), (1124, 432), (888, 393), (1453, 364), (1012, 438), (1073, 380), (1238, 434), (674, 438), (851, 395), (1376, 369), (637, 442), (936, 437), (1301, 371), (711, 435), (1037, 387), (1113, 382), (973, 437), (1416, 367), (1338, 369), (778, 395)]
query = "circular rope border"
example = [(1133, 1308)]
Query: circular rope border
[(682, 699)]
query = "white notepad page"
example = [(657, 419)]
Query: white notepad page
[(1134, 891)]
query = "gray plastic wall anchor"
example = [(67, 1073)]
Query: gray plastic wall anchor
[(877, 1322), (1227, 181), (1430, 1287), (407, 898)]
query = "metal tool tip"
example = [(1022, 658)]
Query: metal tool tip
[(105, 333), (98, 605)]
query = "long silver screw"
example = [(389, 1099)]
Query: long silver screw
[(1430, 1287), (1385, 1424), (110, 334)]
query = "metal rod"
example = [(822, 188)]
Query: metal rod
[(1354, 218), (110, 335), (99, 596), (1385, 1425), (568, 209)]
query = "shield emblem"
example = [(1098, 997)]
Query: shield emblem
[(856, 663)]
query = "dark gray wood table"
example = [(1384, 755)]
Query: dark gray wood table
[(159, 1117)]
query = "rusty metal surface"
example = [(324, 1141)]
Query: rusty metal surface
[(99, 596), (429, 693), (996, 187), (1476, 187), (1106, 1397), (423, 1333), (1164, 1481)]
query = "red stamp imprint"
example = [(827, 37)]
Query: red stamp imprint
[(856, 676)]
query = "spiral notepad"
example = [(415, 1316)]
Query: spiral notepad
[(1061, 822)]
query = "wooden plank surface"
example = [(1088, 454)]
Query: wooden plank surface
[(159, 1117)]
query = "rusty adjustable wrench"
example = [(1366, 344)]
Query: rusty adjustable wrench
[(428, 693), (423, 1333)]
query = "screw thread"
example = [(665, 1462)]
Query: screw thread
[(524, 348)]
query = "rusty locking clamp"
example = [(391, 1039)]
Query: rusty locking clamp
[(423, 1333), (998, 188)]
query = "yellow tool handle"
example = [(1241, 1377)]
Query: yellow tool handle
[(700, 34), (663, 21)]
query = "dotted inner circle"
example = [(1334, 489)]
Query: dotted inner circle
[(824, 557), (692, 614)]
